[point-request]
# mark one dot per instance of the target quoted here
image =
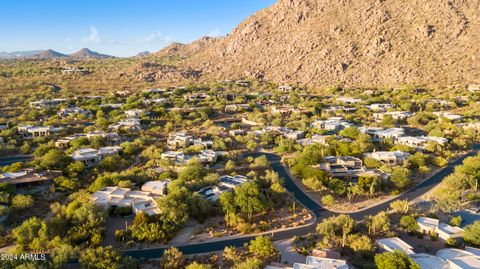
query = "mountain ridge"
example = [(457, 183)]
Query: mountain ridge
[(84, 53), (352, 43)]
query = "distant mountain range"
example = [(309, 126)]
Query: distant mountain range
[(51, 54)]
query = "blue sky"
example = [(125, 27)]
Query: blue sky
[(116, 27)]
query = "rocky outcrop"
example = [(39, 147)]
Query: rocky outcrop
[(346, 42)]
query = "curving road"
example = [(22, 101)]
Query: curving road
[(318, 210)]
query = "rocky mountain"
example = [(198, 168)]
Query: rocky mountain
[(48, 54), (346, 42), (88, 54)]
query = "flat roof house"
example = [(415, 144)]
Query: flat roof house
[(379, 107), (420, 141), (334, 124), (395, 243), (139, 201), (443, 230), (179, 140), (226, 183), (156, 187), (74, 111), (321, 263), (460, 259), (47, 103), (131, 124), (396, 115), (28, 177), (388, 157), (427, 261), (37, 131), (348, 100), (91, 157)]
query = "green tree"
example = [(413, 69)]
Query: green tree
[(62, 254), (260, 161), (409, 224), (54, 159), (400, 177), (230, 165), (401, 206), (101, 258), (250, 200), (249, 263), (263, 248), (395, 260), (328, 200), (21, 202), (33, 233), (350, 132), (456, 221), (360, 243), (472, 233), (193, 172), (196, 265), (378, 223), (335, 229), (172, 258), (447, 199)]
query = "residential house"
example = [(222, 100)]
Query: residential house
[(179, 140), (428, 261), (348, 100), (156, 101), (112, 106), (135, 113), (236, 132), (91, 157), (321, 263), (232, 108), (196, 97), (378, 134), (336, 109), (156, 187), (47, 103), (334, 124), (379, 107), (449, 116), (28, 177), (139, 201), (461, 259), (30, 131), (420, 141), (396, 115), (179, 158), (226, 183), (112, 139), (388, 157), (444, 231), (349, 168), (394, 243), (75, 111), (173, 156), (132, 124)]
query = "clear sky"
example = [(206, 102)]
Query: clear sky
[(116, 27)]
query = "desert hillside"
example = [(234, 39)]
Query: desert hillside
[(346, 42)]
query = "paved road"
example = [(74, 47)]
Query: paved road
[(318, 210)]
